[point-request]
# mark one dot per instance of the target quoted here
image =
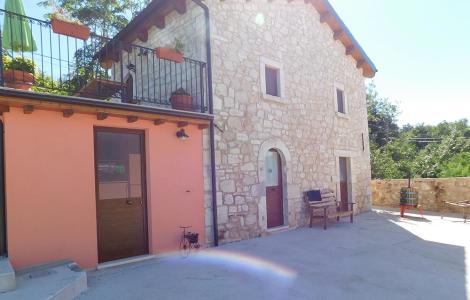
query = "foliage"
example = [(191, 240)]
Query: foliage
[(418, 151), (18, 63), (105, 17), (45, 84), (59, 13), (181, 92), (458, 166), (177, 45), (382, 114)]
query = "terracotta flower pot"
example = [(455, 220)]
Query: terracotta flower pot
[(18, 79), (169, 54), (70, 29), (182, 102)]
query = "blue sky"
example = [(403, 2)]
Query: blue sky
[(422, 51), (421, 48)]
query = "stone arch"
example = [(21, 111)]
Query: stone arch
[(281, 148)]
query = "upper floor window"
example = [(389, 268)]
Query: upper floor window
[(340, 101), (271, 83)]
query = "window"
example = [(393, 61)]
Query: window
[(272, 81), (340, 101)]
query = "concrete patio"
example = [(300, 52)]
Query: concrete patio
[(380, 256)]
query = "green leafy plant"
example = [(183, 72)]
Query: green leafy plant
[(19, 63), (6, 61), (180, 92), (177, 45), (45, 84), (59, 13), (106, 17)]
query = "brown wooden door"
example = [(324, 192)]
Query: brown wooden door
[(274, 192), (344, 183), (121, 201)]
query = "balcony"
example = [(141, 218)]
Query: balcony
[(97, 68)]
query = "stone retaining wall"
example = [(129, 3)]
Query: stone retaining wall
[(433, 193)]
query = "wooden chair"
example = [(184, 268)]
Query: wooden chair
[(325, 200)]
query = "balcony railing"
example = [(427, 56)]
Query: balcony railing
[(97, 67)]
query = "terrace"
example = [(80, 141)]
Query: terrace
[(94, 68)]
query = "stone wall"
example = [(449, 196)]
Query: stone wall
[(302, 125), (433, 193)]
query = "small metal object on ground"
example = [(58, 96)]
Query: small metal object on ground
[(462, 204)]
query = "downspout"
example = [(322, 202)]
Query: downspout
[(212, 125)]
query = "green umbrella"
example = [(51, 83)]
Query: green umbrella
[(16, 30)]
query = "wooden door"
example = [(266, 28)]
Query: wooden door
[(344, 183), (121, 201), (274, 191)]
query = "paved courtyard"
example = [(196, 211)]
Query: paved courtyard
[(380, 256)]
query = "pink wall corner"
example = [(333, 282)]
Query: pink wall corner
[(176, 187), (50, 186)]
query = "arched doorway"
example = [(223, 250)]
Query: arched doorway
[(274, 189)]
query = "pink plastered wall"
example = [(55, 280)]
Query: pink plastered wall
[(50, 185)]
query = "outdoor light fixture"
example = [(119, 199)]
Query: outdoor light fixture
[(182, 135)]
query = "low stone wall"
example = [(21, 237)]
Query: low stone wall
[(433, 193)]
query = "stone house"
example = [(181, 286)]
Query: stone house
[(272, 104), (288, 100)]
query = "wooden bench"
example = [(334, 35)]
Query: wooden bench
[(326, 200)]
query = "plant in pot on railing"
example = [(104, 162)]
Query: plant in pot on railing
[(18, 73), (63, 23), (182, 100), (172, 52)]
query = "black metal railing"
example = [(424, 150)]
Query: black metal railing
[(97, 67)]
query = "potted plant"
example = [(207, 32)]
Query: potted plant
[(182, 100), (173, 52), (18, 73), (63, 23)]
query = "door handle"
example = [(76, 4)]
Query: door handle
[(129, 202)]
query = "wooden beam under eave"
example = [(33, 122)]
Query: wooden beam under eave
[(100, 116), (67, 113), (349, 50), (338, 34), (159, 122), (180, 6), (160, 22), (360, 64), (132, 119), (4, 109), (203, 126), (143, 35), (182, 124), (324, 17), (28, 109)]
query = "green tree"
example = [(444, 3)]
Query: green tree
[(382, 115), (457, 166), (105, 17)]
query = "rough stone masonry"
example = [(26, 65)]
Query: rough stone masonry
[(302, 125)]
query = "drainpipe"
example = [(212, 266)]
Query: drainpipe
[(212, 125)]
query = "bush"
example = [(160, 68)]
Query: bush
[(18, 63), (458, 166)]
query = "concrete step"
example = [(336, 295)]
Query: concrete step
[(7, 276), (62, 280)]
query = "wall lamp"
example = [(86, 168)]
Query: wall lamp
[(182, 135)]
